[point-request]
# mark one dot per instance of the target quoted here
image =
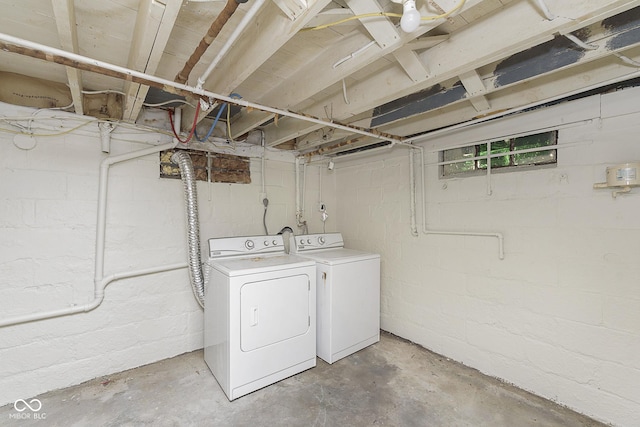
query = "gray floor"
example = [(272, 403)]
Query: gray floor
[(393, 383)]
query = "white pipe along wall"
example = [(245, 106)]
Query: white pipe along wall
[(100, 282), (558, 316)]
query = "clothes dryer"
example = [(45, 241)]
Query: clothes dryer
[(260, 313)]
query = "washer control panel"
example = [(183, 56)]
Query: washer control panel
[(309, 242), (239, 246)]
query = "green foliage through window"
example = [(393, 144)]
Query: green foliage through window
[(506, 153)]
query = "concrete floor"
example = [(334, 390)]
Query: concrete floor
[(393, 383)]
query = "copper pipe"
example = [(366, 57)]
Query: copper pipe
[(206, 41)]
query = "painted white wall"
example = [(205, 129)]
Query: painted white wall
[(560, 315), (47, 242)]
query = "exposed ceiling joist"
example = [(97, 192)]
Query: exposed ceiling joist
[(555, 86), (521, 26), (320, 73), (291, 8), (411, 64), (381, 29), (489, 56), (271, 30), (475, 89), (66, 22), (153, 27)]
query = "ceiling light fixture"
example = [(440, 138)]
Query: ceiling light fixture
[(410, 20)]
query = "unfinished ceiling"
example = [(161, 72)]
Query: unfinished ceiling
[(308, 57)]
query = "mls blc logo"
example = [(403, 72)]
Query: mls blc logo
[(28, 410)]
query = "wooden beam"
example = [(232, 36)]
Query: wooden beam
[(411, 64), (64, 12), (154, 23), (319, 73), (381, 29), (475, 89), (291, 8), (520, 28), (558, 84), (268, 33)]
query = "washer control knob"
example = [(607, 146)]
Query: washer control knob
[(308, 241), (275, 242), (302, 241), (249, 244), (266, 243), (321, 240)]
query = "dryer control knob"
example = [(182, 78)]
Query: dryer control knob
[(321, 240), (249, 244), (275, 242), (266, 243), (308, 241)]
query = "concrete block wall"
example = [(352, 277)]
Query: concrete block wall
[(560, 315), (48, 205)]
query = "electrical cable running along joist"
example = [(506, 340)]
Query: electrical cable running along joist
[(39, 51)]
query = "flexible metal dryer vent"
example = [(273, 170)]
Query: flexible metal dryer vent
[(193, 224)]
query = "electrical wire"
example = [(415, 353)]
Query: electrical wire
[(237, 96), (98, 92), (264, 216), (387, 14), (213, 125), (193, 128), (171, 101), (45, 134)]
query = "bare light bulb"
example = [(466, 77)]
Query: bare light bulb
[(410, 20)]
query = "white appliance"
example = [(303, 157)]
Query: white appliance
[(348, 297), (260, 313)]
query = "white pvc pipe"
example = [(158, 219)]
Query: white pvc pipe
[(100, 282), (426, 231), (412, 193), (257, 4), (262, 159), (489, 158), (177, 123), (194, 90), (547, 13), (297, 183)]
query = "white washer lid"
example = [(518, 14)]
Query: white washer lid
[(339, 256), (238, 266)]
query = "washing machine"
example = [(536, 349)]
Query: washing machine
[(348, 294), (260, 313)]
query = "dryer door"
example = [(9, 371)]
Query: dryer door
[(273, 310)]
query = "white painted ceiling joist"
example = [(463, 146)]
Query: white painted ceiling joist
[(153, 27), (319, 74), (475, 89), (66, 22), (520, 26)]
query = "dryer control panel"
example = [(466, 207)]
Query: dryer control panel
[(310, 242), (240, 246)]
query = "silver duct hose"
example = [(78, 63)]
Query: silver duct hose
[(193, 225)]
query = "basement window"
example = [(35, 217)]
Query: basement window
[(209, 167), (510, 154)]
